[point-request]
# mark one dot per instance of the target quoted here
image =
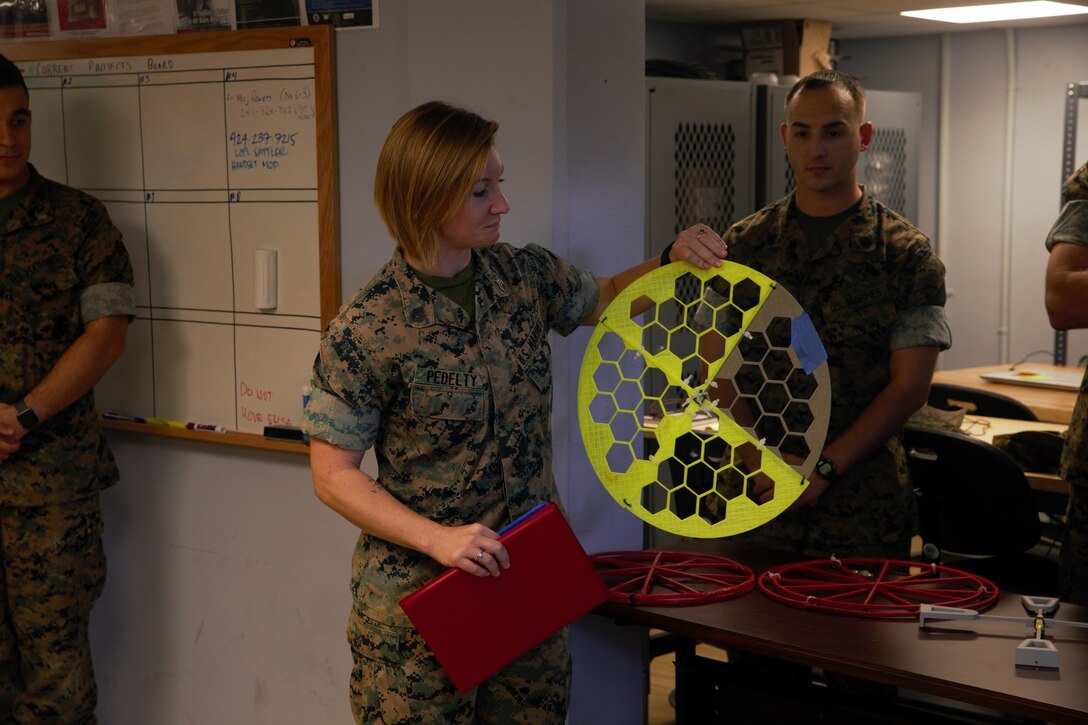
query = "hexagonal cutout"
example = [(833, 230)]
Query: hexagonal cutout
[(684, 285), (773, 398), (712, 508), (757, 482), (688, 447), (654, 331), (778, 331), (653, 382), (625, 427), (718, 454), (749, 379), (728, 484), (802, 385), (642, 307), (798, 417), (602, 408), (620, 457), (610, 346), (777, 365), (725, 392), (655, 497), (629, 395), (631, 364), (670, 314), (753, 347), (699, 477), (683, 343), (717, 291), (606, 377), (711, 346), (743, 410), (682, 503), (770, 430), (747, 458), (746, 294), (795, 445), (728, 320)]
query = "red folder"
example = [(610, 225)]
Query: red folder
[(477, 625)]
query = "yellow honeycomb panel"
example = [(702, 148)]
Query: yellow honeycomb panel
[(749, 389)]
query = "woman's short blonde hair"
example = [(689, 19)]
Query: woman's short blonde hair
[(428, 164)]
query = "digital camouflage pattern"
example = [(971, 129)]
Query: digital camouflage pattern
[(1076, 186), (458, 413), (62, 263), (1072, 228), (53, 570), (873, 286), (396, 681)]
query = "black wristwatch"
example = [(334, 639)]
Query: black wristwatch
[(826, 468), (26, 415)]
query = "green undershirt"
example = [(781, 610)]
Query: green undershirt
[(461, 287), (817, 229)]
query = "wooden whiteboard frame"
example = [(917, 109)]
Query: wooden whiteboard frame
[(321, 39)]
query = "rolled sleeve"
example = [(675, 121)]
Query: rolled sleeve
[(1071, 227), (330, 419), (107, 299), (922, 327)]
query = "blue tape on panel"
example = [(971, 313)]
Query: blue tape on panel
[(806, 343)]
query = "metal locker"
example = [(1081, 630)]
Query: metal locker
[(700, 156)]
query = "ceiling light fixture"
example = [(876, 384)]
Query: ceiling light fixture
[(994, 13)]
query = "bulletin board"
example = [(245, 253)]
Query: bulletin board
[(213, 153)]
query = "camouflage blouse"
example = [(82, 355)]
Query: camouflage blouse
[(458, 414), (62, 264), (874, 286), (1071, 227)]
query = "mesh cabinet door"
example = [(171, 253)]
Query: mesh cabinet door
[(701, 158)]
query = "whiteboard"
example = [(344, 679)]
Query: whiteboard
[(204, 150)]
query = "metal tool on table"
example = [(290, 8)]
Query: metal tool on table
[(1035, 651)]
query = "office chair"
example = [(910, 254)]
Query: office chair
[(976, 511), (978, 402)]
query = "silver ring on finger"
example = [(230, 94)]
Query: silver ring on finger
[(700, 233), (479, 556)]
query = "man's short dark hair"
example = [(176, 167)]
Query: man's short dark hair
[(10, 75), (831, 79)]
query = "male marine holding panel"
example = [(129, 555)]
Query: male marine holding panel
[(1067, 307), (65, 305), (875, 292)]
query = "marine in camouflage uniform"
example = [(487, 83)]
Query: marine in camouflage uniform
[(62, 266), (1071, 227), (458, 412), (873, 286)]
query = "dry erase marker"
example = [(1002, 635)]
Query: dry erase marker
[(306, 391), (166, 422), (123, 418), (206, 426)]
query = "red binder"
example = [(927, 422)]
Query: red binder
[(477, 625)]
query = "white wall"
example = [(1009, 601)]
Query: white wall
[(228, 594)]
